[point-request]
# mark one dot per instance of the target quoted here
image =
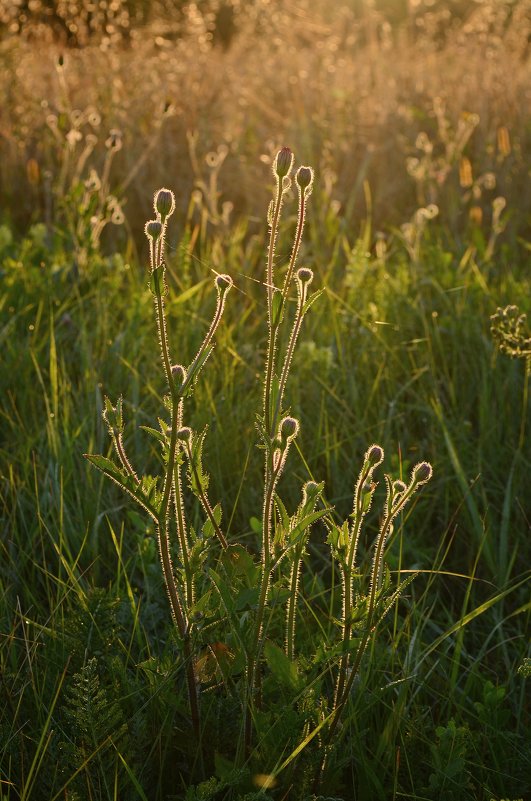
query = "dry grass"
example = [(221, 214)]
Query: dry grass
[(349, 91)]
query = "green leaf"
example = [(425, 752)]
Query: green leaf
[(247, 598), (237, 561), (101, 462), (256, 525), (197, 478), (311, 300), (155, 433), (281, 667), (284, 517), (157, 284), (194, 370), (208, 527), (303, 526), (223, 766), (277, 308)]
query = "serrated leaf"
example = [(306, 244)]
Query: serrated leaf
[(283, 525), (101, 462), (396, 595), (155, 433), (198, 480), (280, 666), (284, 517), (239, 562)]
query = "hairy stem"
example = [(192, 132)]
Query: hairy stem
[(120, 450), (296, 244), (272, 325), (180, 518), (291, 613), (289, 356)]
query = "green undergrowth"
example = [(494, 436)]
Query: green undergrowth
[(397, 350)]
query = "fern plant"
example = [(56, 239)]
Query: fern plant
[(95, 723), (248, 610)]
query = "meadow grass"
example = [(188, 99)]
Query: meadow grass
[(422, 377), (398, 350)]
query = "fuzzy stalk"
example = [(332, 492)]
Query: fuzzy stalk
[(120, 450), (191, 371), (289, 354), (301, 216), (272, 325), (291, 612), (180, 519)]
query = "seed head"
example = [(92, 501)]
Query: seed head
[(288, 429), (304, 177), (153, 229), (164, 203), (283, 162), (305, 275), (374, 455), (223, 282), (422, 472)]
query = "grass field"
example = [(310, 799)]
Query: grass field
[(414, 118)]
